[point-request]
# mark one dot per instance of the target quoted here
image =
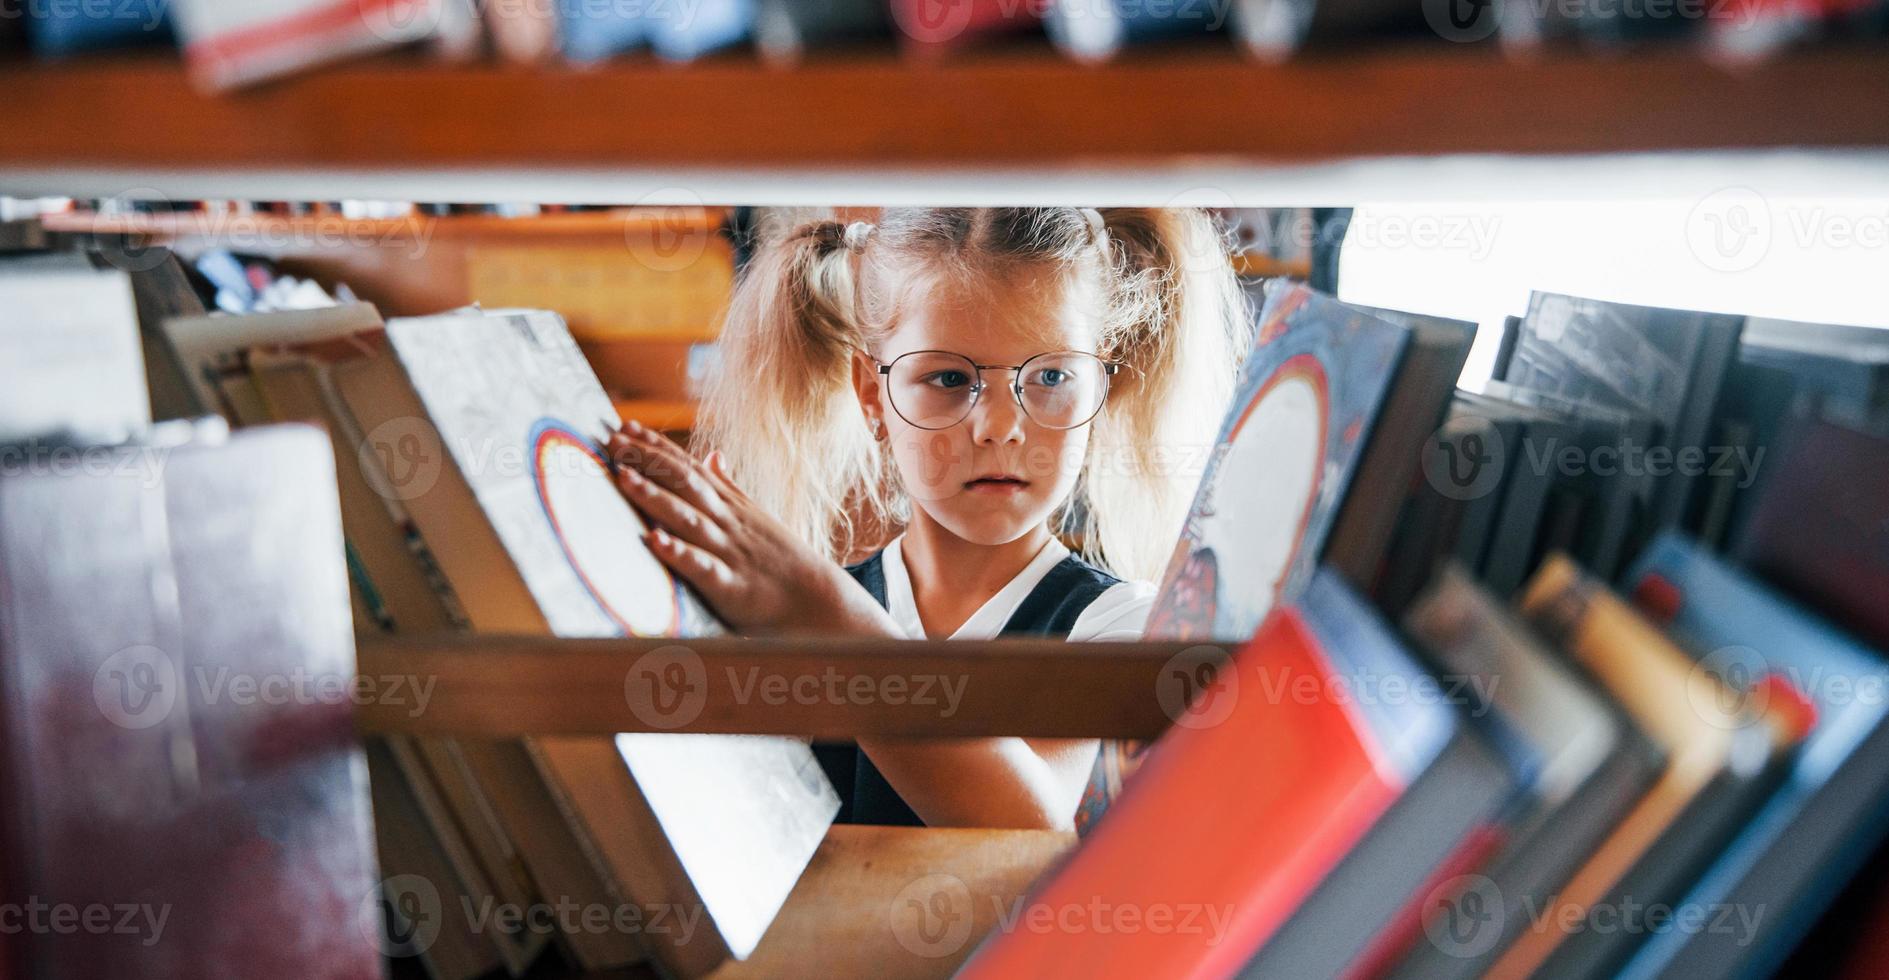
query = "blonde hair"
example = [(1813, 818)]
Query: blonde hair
[(783, 411)]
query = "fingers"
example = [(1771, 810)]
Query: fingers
[(725, 481), (708, 575), (661, 460), (671, 512)]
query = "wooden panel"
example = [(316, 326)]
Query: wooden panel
[(507, 686), (899, 903), (1011, 109)]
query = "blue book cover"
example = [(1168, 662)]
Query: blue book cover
[(710, 26), (1301, 417), (675, 31), (1777, 876), (59, 29), (592, 32), (1098, 29)]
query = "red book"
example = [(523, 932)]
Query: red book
[(1282, 763), (932, 26)]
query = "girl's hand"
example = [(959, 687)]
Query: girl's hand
[(754, 573)]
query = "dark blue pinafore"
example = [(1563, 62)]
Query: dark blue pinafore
[(1051, 609)]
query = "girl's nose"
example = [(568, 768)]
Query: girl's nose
[(997, 418)]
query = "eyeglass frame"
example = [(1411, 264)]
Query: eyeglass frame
[(1109, 370)]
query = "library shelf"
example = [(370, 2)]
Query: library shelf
[(674, 132)]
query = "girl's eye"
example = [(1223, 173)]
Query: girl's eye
[(947, 379), (1050, 377)]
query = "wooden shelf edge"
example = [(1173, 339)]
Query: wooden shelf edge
[(1021, 111), (501, 687), (663, 416)]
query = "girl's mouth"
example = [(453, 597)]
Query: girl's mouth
[(996, 484)]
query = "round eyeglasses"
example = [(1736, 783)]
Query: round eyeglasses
[(934, 389)]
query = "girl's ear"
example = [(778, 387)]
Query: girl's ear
[(867, 385)]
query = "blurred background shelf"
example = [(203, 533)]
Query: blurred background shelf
[(1002, 110)]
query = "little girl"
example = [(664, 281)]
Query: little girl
[(985, 380)]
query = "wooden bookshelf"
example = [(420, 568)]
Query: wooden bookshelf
[(497, 686), (663, 416), (1023, 109)]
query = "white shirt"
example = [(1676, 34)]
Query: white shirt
[(1119, 613)]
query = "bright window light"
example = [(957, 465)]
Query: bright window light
[(1819, 260)]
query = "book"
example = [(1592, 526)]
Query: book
[(785, 30), (522, 31), (1275, 29), (1410, 414), (1669, 365), (1618, 490), (1847, 367), (1447, 821), (71, 362), (1719, 760), (511, 491), (420, 898), (161, 288), (934, 27), (430, 782), (232, 43), (710, 26), (205, 348), (596, 32), (1593, 766), (1307, 399), (1308, 424), (58, 30), (1813, 831), (1095, 31), (162, 759), (592, 33), (1515, 547), (1334, 765), (1820, 532)]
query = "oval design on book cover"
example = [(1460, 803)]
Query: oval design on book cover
[(601, 534), (1271, 463)]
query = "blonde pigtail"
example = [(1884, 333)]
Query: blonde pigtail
[(780, 405), (1183, 330)]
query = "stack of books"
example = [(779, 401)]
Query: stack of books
[(1576, 677)]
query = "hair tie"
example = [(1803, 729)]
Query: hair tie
[(856, 235)]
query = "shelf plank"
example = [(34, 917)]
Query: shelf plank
[(488, 686), (255, 226), (855, 913), (1023, 109), (662, 416)]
